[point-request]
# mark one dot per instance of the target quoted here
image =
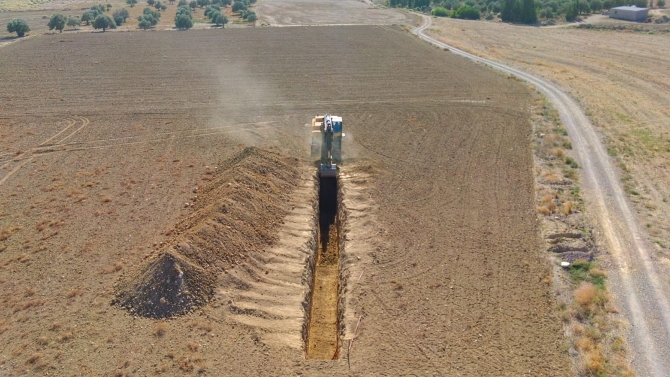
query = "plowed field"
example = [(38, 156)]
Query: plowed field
[(106, 140)]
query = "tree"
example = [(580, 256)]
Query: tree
[(144, 23), (18, 26), (219, 18), (240, 6), (596, 5), (528, 12), (183, 22), (57, 21), (131, 2), (98, 8), (88, 16), (158, 5), (252, 17), (123, 14), (440, 12), (466, 12), (193, 4), (211, 9), (203, 3), (661, 3), (182, 3), (109, 7), (73, 22), (104, 22), (151, 2), (570, 12)]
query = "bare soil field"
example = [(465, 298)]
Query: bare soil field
[(620, 78), (624, 92), (329, 12), (129, 163)]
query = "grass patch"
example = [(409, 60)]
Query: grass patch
[(585, 271)]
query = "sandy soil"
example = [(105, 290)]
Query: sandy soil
[(639, 277), (442, 266)]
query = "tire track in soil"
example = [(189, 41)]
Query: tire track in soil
[(640, 288)]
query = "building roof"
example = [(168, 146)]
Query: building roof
[(631, 8)]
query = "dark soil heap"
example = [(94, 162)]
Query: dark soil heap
[(235, 214)]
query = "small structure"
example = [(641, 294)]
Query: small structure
[(631, 13)]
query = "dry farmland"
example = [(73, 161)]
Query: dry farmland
[(123, 165)]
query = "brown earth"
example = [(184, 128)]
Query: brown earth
[(621, 80), (442, 268)]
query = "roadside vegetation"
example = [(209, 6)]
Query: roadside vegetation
[(517, 11), (584, 302)]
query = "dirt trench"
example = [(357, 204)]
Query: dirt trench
[(323, 320)]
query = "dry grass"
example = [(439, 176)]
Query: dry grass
[(160, 329), (585, 294), (192, 346)]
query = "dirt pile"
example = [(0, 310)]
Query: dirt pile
[(236, 213), (169, 285)]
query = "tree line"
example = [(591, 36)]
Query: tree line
[(97, 15)]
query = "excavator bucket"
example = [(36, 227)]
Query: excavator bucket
[(327, 171)]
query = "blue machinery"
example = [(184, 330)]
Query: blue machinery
[(327, 135)]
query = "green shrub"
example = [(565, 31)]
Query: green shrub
[(466, 12), (440, 12), (18, 26)]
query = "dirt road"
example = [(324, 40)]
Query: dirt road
[(639, 284)]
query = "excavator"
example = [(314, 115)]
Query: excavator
[(327, 136)]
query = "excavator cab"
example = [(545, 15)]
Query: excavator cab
[(327, 138)]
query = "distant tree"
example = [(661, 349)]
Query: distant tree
[(240, 6), (549, 14), (57, 21), (607, 4), (157, 5), (440, 12), (118, 20), (163, 7), (109, 7), (184, 11), (203, 3), (661, 3), (104, 22), (252, 17), (144, 23), (183, 20), (122, 13), (98, 8), (18, 26), (519, 11), (584, 7), (466, 12), (88, 16), (151, 2), (219, 18), (570, 11), (182, 3), (193, 4), (149, 15), (211, 9), (73, 22), (596, 5), (528, 12), (131, 2)]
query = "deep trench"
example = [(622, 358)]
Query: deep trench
[(323, 326)]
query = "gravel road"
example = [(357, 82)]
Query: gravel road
[(638, 277)]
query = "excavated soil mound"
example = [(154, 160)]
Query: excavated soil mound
[(235, 214), (169, 285)]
